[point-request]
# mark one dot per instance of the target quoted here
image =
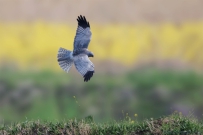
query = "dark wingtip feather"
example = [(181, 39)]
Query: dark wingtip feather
[(88, 75), (83, 22)]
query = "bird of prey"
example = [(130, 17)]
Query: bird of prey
[(79, 55)]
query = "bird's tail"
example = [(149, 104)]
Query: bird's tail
[(64, 59)]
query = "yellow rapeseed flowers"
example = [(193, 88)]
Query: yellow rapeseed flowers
[(35, 45)]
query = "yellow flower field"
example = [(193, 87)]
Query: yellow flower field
[(35, 45)]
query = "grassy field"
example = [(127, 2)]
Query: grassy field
[(168, 125), (32, 83), (145, 92)]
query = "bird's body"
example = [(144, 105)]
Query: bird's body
[(79, 56)]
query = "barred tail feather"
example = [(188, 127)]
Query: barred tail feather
[(64, 59)]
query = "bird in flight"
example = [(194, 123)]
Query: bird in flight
[(79, 55)]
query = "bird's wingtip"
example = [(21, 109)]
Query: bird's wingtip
[(83, 22), (88, 75)]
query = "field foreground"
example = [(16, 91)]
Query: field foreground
[(172, 124)]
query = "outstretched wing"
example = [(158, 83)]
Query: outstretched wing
[(84, 66), (83, 34)]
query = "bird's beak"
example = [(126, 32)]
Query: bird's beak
[(91, 55)]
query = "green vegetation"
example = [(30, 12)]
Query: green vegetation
[(147, 93), (170, 125)]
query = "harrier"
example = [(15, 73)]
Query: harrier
[(79, 55)]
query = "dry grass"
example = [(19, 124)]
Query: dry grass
[(99, 11)]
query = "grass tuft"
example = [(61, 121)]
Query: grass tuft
[(169, 125)]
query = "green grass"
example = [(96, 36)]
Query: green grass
[(168, 125), (146, 92)]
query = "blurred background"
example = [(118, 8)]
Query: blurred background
[(148, 59)]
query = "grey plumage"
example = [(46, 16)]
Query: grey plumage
[(83, 35), (64, 59), (84, 66), (79, 56)]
